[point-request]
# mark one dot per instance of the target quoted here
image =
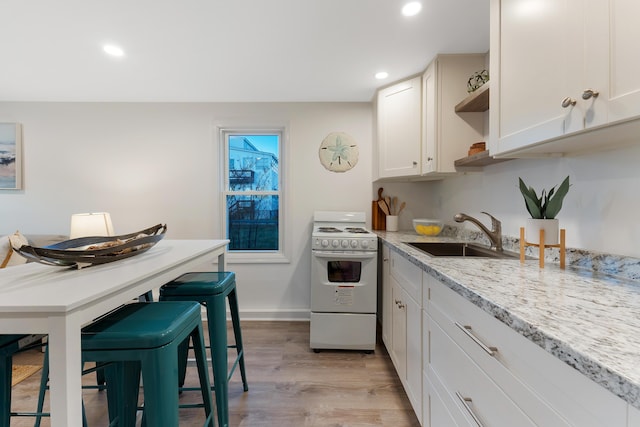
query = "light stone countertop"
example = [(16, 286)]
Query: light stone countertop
[(588, 320)]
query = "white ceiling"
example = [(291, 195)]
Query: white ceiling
[(225, 50)]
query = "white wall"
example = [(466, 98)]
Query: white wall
[(600, 213), (152, 163)]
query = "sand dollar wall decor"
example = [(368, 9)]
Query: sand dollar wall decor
[(338, 152)]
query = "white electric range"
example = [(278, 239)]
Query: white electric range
[(343, 282)]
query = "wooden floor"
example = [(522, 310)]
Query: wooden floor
[(289, 386)]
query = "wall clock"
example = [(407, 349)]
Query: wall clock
[(338, 152)]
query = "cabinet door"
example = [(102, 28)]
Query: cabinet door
[(387, 299), (414, 354), (399, 330), (613, 66), (538, 61), (399, 129), (429, 115)]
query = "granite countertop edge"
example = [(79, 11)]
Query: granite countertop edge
[(546, 313)]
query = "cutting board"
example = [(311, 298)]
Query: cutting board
[(378, 218)]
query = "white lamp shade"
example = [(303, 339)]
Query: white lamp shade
[(91, 224)]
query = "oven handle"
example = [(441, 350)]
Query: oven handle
[(342, 255)]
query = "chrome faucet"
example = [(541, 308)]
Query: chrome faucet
[(495, 235)]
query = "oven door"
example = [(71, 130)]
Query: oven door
[(343, 282)]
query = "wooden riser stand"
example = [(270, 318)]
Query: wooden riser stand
[(542, 246)]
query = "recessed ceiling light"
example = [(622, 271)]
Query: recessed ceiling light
[(412, 8), (113, 50), (382, 75)]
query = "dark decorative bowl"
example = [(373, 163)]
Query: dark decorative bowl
[(85, 251)]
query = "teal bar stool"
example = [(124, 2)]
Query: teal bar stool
[(144, 339), (9, 346), (213, 289)]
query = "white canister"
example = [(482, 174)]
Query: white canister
[(532, 230), (392, 222)]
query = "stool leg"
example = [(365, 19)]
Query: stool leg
[(183, 353), (5, 390), (217, 319), (237, 333), (203, 373), (123, 384), (44, 379), (160, 376)]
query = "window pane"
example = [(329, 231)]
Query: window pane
[(253, 162), (252, 222)]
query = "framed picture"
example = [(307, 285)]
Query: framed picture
[(10, 156)]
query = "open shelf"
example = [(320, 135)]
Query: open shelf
[(480, 159), (477, 101)]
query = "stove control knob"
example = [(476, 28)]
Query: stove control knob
[(324, 243), (365, 244), (335, 243), (345, 243), (354, 243)]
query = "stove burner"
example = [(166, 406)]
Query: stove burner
[(356, 230), (329, 230)]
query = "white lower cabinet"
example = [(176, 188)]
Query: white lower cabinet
[(634, 417), (404, 336), (472, 395), (480, 366)]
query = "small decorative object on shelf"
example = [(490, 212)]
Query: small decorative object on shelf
[(476, 80), (542, 246)]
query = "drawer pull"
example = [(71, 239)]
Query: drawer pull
[(467, 330), (465, 402)]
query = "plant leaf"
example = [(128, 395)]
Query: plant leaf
[(531, 199), (555, 203)]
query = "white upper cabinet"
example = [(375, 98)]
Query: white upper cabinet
[(399, 129), (419, 133), (565, 69), (447, 135)]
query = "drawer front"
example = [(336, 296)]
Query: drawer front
[(441, 414), (408, 275), (471, 390), (548, 390)]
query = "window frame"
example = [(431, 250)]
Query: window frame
[(256, 256)]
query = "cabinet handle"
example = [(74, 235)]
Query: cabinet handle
[(415, 164), (429, 159), (568, 101), (588, 93), (465, 402), (399, 304), (467, 330)]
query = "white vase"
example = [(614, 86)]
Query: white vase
[(532, 231)]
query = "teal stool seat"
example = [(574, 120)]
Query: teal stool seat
[(9, 346), (213, 289), (144, 339)]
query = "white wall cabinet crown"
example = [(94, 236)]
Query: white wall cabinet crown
[(419, 134), (567, 74)]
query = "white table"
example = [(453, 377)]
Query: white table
[(59, 301)]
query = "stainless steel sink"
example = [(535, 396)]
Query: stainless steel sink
[(459, 249)]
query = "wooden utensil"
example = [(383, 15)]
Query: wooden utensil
[(394, 206), (383, 205), (402, 205)]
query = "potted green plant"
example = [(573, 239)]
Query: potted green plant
[(543, 211)]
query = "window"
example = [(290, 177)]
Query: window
[(252, 193)]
